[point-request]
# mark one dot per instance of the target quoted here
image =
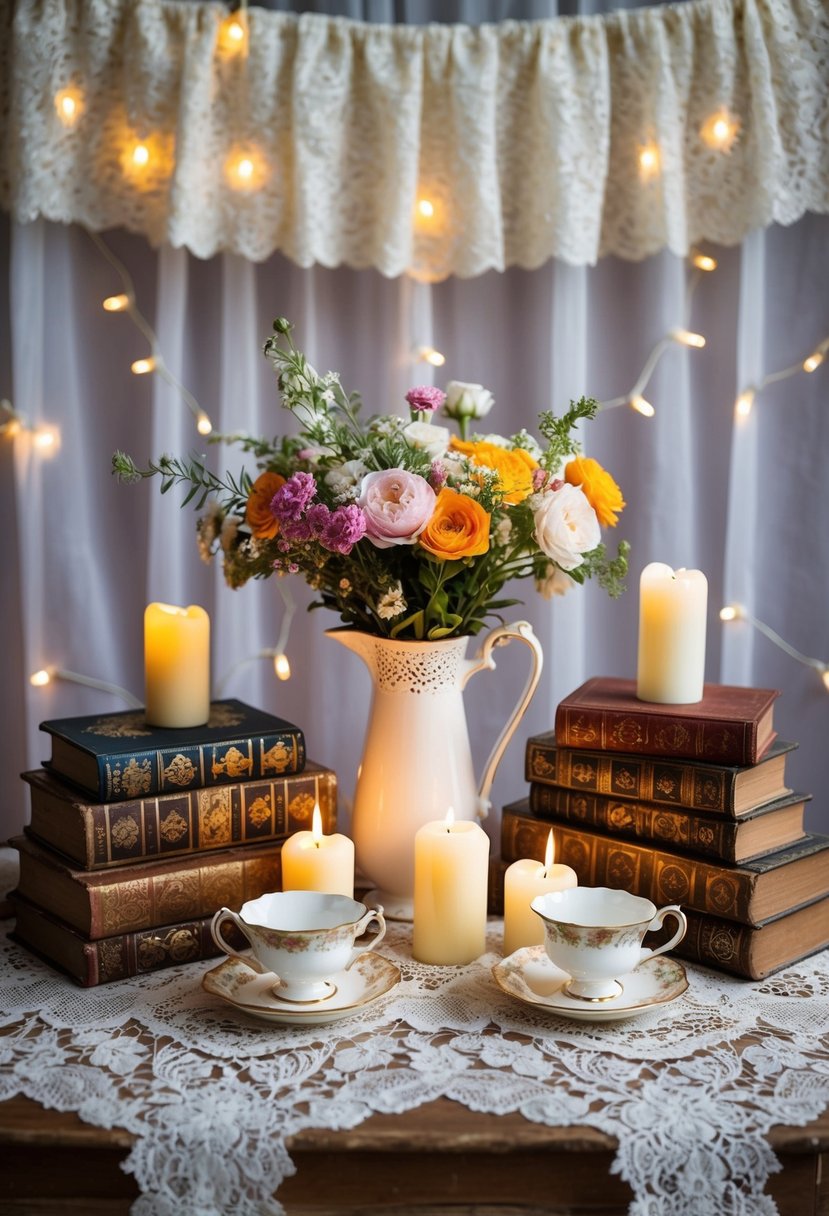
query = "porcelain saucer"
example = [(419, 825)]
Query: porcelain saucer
[(530, 976), (234, 982)]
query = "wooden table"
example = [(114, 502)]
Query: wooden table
[(440, 1158)]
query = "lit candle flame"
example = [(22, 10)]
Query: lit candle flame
[(450, 819), (549, 855), (316, 825)]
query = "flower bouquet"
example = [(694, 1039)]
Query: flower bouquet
[(403, 527)]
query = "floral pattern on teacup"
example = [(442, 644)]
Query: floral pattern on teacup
[(581, 936)]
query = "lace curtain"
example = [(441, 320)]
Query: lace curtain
[(526, 137)]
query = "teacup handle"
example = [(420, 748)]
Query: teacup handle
[(362, 925), (216, 929), (656, 923)]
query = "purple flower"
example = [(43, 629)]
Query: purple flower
[(437, 475), (294, 532), (539, 477), (343, 529), (290, 500), (317, 517), (426, 398)]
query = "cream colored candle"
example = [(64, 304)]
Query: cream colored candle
[(176, 665), (450, 891), (524, 880), (672, 612), (314, 862)]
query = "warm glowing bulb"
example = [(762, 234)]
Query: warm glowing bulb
[(235, 32), (825, 676), (731, 612), (281, 666), (68, 105), (642, 406), (39, 678), (703, 262), (12, 427), (45, 438), (687, 338), (116, 303), (426, 208), (744, 403), (244, 169), (648, 161), (720, 130), (428, 354), (203, 424), (141, 366), (813, 361), (140, 155)]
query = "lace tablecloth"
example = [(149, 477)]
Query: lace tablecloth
[(689, 1090)]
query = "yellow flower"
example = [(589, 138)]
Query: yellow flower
[(514, 466), (258, 512), (459, 527), (599, 488)]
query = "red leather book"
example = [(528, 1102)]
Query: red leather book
[(730, 725)]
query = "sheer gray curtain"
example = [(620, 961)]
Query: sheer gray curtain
[(747, 502)]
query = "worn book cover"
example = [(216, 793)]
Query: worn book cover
[(729, 790), (730, 725), (119, 756), (750, 893), (765, 830), (124, 899), (98, 835), (119, 957)]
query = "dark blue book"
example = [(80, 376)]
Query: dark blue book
[(118, 756)]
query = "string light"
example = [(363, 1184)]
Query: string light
[(246, 169), (428, 354), (277, 654), (737, 612), (720, 130), (69, 105), (45, 438), (686, 338), (281, 666), (233, 33), (140, 155), (745, 399), (649, 161), (702, 261), (40, 679), (642, 406), (425, 208), (125, 302)]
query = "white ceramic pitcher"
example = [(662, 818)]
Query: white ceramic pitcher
[(416, 760)]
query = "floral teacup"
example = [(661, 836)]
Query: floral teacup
[(303, 938), (595, 935)]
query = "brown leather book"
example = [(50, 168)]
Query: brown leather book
[(730, 725), (763, 831), (100, 835), (125, 899), (119, 957), (751, 893), (729, 790)]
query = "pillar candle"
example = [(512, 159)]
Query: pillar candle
[(314, 862), (176, 665), (450, 891), (672, 611), (522, 882)]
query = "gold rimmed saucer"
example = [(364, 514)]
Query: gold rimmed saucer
[(530, 977), (239, 986)]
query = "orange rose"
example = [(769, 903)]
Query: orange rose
[(258, 513), (459, 527), (599, 488), (514, 466)]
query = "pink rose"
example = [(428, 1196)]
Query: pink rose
[(397, 506)]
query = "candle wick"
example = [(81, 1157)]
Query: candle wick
[(316, 844)]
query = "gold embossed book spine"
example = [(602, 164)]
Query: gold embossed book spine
[(127, 899), (100, 835)]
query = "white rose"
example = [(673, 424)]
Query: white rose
[(566, 526), (431, 439), (467, 400), (345, 478)]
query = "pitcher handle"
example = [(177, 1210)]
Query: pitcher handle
[(500, 636)]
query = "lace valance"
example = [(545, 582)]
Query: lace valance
[(438, 149)]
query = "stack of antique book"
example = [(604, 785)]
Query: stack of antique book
[(684, 805), (138, 834)]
